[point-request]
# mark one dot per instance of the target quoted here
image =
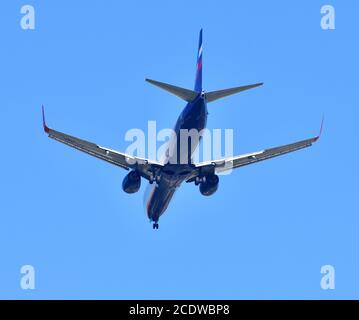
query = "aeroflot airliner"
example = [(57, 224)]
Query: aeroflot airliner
[(168, 174)]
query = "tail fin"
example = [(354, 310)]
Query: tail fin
[(198, 81), (214, 95), (190, 95)]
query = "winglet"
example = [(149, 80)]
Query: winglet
[(46, 128), (321, 130)]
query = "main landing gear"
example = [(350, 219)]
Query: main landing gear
[(155, 225), (154, 178)]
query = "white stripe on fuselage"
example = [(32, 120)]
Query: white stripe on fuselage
[(200, 51)]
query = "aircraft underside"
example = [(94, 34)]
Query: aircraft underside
[(165, 177)]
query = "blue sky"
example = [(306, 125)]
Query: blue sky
[(269, 228)]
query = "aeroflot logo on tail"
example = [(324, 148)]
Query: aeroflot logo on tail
[(185, 147)]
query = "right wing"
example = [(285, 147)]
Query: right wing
[(146, 168), (246, 159)]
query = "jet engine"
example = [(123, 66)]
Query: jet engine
[(132, 182), (210, 185)]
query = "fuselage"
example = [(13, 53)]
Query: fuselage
[(177, 162)]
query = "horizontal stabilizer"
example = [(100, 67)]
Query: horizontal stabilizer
[(185, 94), (215, 95)]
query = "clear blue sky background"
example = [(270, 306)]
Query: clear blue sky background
[(269, 228)]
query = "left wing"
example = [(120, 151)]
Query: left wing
[(145, 167), (246, 159)]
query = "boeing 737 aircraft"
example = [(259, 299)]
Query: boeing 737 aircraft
[(167, 175)]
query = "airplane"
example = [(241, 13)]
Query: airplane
[(167, 175)]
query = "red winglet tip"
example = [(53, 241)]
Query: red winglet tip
[(321, 129), (46, 129)]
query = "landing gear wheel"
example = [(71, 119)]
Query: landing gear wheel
[(155, 178), (198, 180)]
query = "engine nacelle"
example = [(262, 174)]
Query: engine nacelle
[(210, 185), (132, 182)]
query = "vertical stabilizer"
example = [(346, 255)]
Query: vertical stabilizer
[(198, 81)]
